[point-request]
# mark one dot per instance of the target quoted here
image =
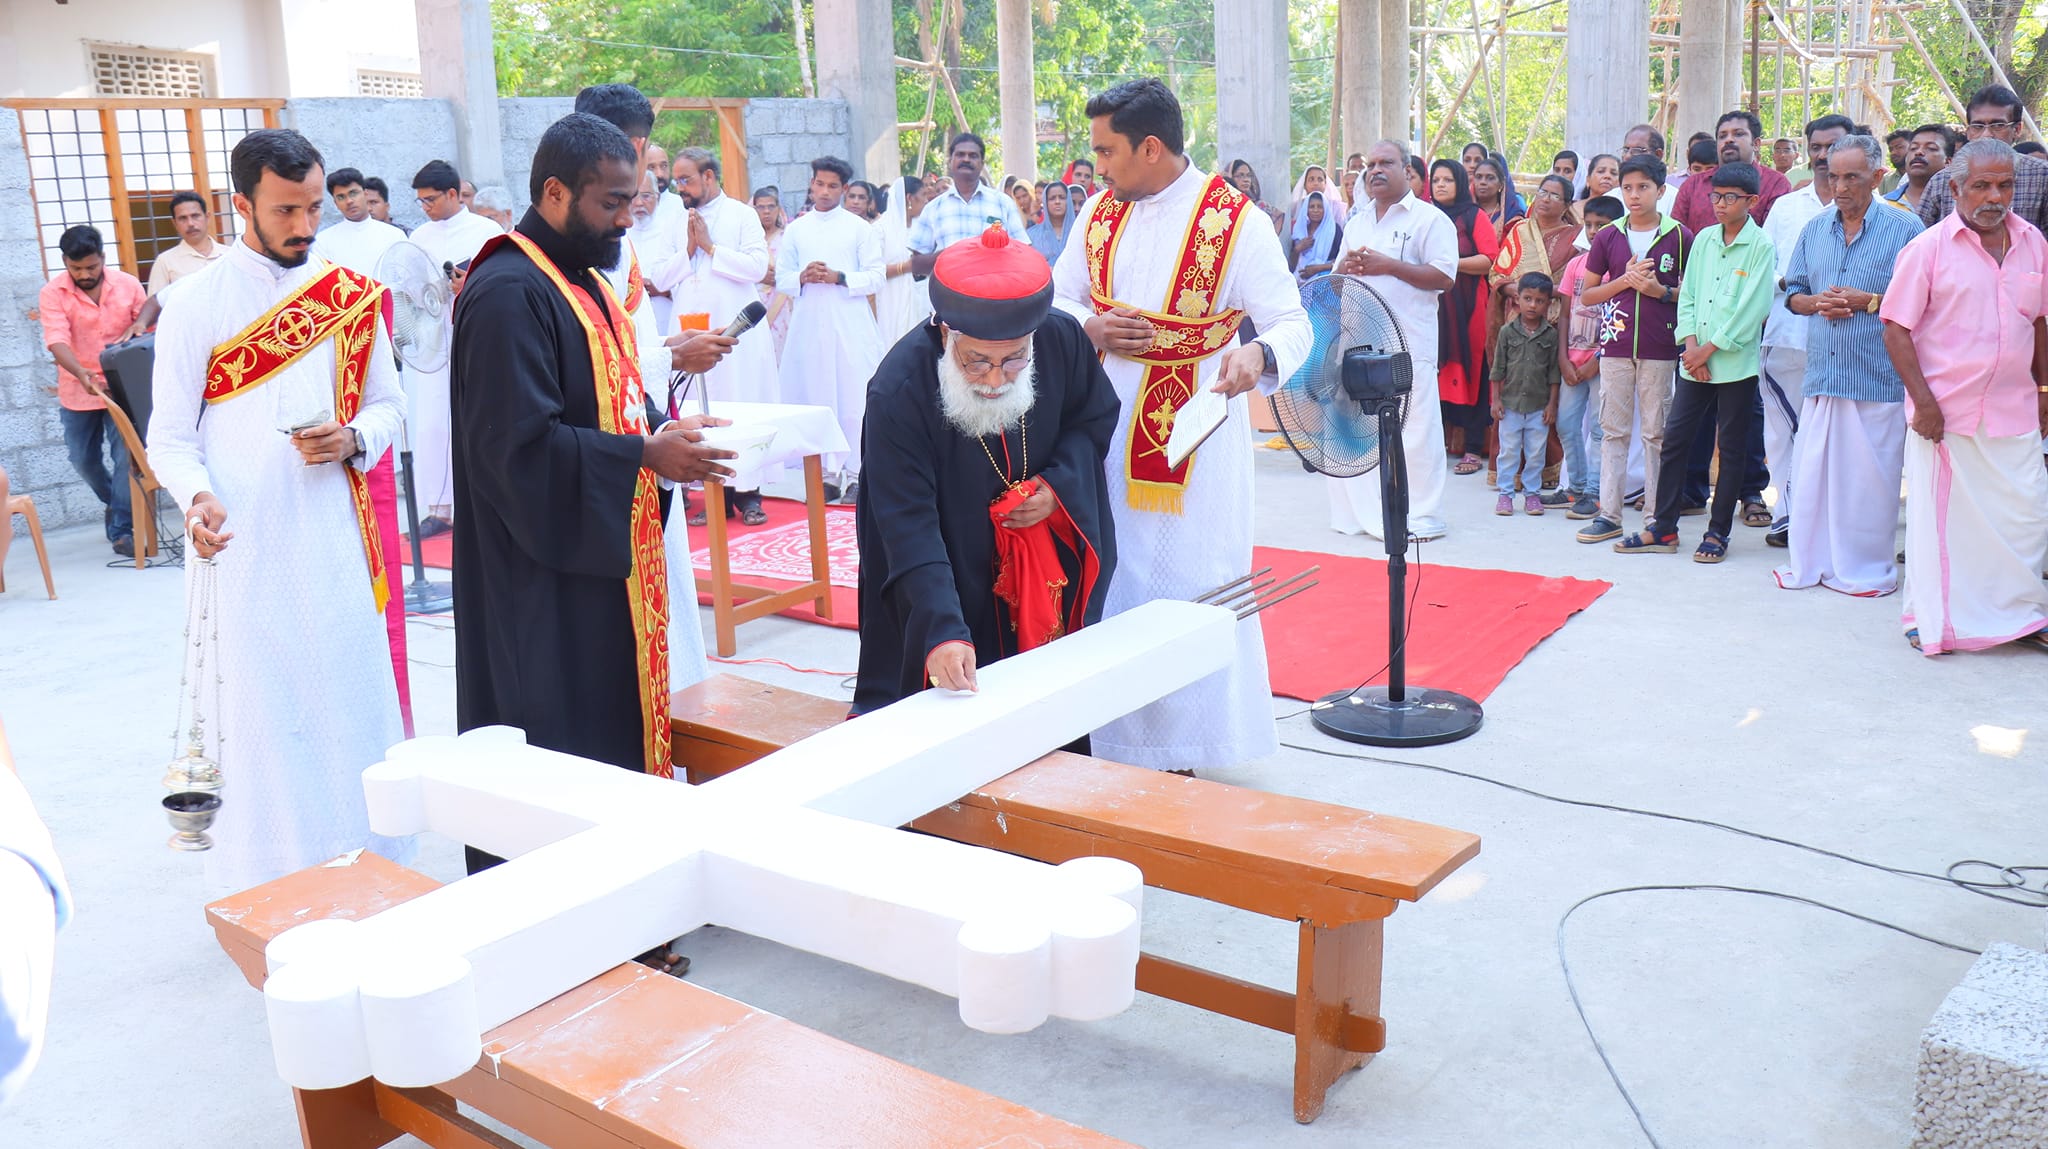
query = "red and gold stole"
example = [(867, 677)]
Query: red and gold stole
[(622, 410), (636, 284), (337, 304), (1184, 332)]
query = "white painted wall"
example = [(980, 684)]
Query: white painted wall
[(261, 48)]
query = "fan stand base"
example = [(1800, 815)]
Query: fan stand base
[(423, 597), (1424, 717)]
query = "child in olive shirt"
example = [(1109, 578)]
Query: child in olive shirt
[(1528, 362)]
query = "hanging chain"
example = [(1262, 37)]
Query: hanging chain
[(202, 627), (1023, 445)]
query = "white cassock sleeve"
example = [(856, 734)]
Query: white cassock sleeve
[(1270, 295), (787, 269), (747, 260), (176, 450), (868, 277), (34, 904), (382, 414)]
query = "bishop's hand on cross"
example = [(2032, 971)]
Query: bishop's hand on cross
[(800, 848)]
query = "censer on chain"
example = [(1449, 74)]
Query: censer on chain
[(194, 780)]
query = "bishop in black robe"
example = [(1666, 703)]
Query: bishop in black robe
[(928, 544)]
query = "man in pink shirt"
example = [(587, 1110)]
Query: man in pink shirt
[(87, 308), (1963, 324)]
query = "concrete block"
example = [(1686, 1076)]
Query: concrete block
[(818, 119), (79, 504), (21, 428), (45, 466), (775, 149), (1982, 1079)]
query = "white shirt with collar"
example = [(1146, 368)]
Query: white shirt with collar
[(1411, 231)]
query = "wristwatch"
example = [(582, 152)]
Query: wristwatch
[(1272, 364), (1875, 300), (362, 446)]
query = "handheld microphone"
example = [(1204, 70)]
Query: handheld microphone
[(752, 314)]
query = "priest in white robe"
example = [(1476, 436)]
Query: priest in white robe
[(830, 262), (1182, 531), (712, 269), (307, 699), (1963, 324), (355, 241), (451, 236)]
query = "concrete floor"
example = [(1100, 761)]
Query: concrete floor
[(1699, 690)]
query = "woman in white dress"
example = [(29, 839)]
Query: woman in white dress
[(904, 301), (768, 202)]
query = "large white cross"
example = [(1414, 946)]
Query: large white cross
[(801, 848)]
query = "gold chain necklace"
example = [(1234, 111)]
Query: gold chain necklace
[(1024, 446)]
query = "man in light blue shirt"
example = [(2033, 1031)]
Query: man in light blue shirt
[(1852, 422), (964, 210)]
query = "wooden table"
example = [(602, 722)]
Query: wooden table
[(734, 603), (632, 1059)]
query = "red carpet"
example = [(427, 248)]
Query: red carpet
[(1470, 626)]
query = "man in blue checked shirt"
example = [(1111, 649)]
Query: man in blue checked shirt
[(1852, 422), (964, 210)]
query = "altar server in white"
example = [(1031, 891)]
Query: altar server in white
[(356, 241), (1852, 423), (1962, 322), (1174, 257), (830, 262), (307, 698), (451, 236)]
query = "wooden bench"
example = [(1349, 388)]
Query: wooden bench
[(631, 1059), (1336, 871)]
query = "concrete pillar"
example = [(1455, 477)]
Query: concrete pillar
[(857, 63), (1358, 84), (1607, 76), (456, 65), (1709, 61), (1013, 84), (1397, 97), (1251, 91)]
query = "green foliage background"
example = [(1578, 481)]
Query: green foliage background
[(748, 48)]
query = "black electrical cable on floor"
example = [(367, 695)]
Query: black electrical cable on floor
[(1407, 628), (2012, 884)]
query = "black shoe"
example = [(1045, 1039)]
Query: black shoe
[(434, 525), (831, 492), (125, 546), (852, 495)]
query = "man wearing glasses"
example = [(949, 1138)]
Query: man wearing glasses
[(1644, 140), (1995, 113), (451, 235)]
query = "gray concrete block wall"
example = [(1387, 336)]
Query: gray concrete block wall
[(784, 136), (389, 138), (521, 122), (31, 434)]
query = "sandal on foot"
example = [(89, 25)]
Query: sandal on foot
[(1469, 465), (1712, 549), (1756, 515), (2038, 640), (1644, 543)]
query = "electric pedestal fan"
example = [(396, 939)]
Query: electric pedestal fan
[(1342, 413), (421, 299)]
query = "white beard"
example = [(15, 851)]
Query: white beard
[(972, 413)]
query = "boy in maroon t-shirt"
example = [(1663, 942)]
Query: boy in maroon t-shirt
[(1633, 270)]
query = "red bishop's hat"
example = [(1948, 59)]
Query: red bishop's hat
[(991, 288)]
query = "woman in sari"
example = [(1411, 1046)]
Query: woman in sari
[(1313, 179), (1461, 319), (1470, 157), (1418, 177), (1317, 239), (1494, 191), (1603, 175), (768, 205), (1543, 241)]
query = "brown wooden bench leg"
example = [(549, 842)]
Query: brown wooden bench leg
[(1337, 988), (344, 1118)]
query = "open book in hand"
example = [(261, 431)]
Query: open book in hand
[(1196, 420)]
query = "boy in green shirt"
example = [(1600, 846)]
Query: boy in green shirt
[(1722, 303)]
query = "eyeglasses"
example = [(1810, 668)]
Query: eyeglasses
[(1977, 127), (978, 368), (1721, 198), (1636, 150)]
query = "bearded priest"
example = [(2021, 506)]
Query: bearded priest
[(984, 521)]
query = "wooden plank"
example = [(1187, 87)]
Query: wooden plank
[(1289, 897), (1216, 992), (431, 1116), (638, 1058), (1337, 978), (117, 193), (344, 1118), (732, 150), (821, 556), (722, 623)]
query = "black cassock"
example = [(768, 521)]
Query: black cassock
[(927, 545), (543, 506)]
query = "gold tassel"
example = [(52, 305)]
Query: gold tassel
[(1157, 498)]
